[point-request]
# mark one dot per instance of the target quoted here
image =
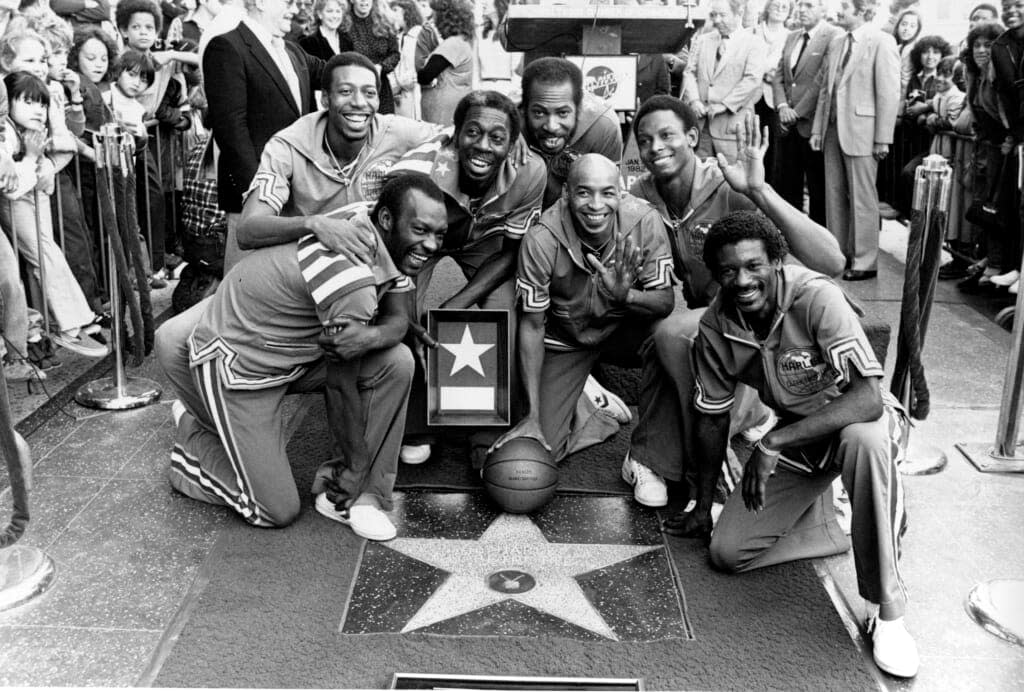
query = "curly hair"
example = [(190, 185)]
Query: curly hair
[(393, 194), (984, 6), (54, 29), (380, 24), (549, 71), (454, 17), (411, 14), (925, 43), (83, 35), (663, 102), (11, 42), (986, 30), (488, 99), (896, 27), (127, 8), (739, 226)]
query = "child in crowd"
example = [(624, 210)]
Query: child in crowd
[(133, 73), (94, 54), (28, 207), (140, 22), (76, 238), (91, 55), (946, 106)]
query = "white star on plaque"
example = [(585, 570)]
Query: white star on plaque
[(513, 545), (467, 353)]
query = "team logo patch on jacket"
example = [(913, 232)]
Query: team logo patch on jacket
[(803, 371)]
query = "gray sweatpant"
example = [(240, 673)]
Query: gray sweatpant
[(798, 520)]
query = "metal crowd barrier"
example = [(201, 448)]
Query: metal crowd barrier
[(120, 392), (997, 605), (26, 572)]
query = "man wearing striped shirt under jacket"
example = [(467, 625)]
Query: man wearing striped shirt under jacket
[(266, 333)]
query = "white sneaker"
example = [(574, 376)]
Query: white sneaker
[(1006, 279), (81, 343), (893, 648), (841, 504), (365, 521), (648, 487), (177, 411), (414, 454), (755, 433), (606, 401)]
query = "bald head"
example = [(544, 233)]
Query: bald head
[(592, 193), (590, 166)]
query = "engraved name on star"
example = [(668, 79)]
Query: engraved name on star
[(513, 543), (467, 353)]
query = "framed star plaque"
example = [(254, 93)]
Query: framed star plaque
[(468, 372)]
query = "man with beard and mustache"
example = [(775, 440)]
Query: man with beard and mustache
[(561, 122), (791, 334), (298, 316), (691, 193), (594, 284), (493, 190)]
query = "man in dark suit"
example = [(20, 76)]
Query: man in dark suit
[(853, 126), (256, 83), (796, 90)]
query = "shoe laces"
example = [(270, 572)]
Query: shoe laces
[(642, 474)]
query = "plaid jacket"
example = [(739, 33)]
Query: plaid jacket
[(200, 215)]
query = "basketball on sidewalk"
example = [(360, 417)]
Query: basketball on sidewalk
[(520, 476)]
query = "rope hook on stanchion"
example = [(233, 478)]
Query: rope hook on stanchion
[(119, 392), (26, 572), (932, 184)]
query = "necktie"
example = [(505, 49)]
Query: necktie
[(284, 64), (721, 51), (800, 53), (847, 49)]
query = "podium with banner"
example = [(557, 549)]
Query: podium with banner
[(600, 29)]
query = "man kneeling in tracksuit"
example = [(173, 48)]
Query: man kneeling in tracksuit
[(265, 333)]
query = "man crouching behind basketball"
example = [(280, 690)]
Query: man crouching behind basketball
[(594, 282)]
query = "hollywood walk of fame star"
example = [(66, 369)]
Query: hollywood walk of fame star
[(467, 353), (513, 544)]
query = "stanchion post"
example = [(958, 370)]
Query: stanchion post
[(37, 214), (119, 392), (1005, 455), (932, 182), (998, 605), (26, 572), (60, 210)]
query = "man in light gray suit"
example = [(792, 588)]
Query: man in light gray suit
[(723, 78), (853, 126), (795, 87)]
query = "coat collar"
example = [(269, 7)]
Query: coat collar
[(263, 57)]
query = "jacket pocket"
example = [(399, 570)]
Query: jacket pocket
[(867, 111)]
